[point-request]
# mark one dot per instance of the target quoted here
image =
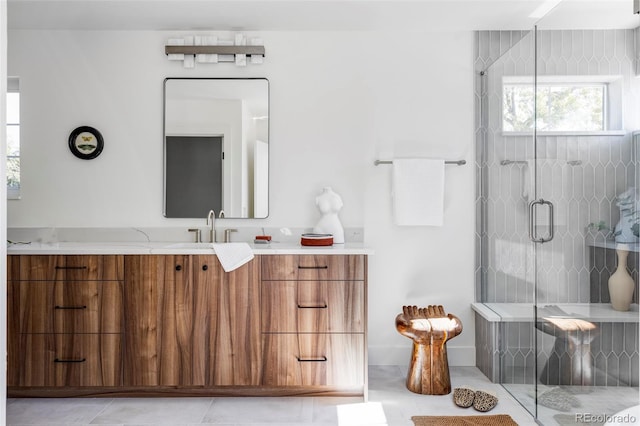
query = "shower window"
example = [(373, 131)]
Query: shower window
[(581, 105), (13, 139)]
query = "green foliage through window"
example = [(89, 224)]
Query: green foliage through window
[(560, 107)]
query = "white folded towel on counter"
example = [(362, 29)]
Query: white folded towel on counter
[(233, 255), (418, 191)]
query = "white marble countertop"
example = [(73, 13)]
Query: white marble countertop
[(79, 248)]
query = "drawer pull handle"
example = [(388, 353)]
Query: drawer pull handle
[(312, 359), (178, 267), (69, 360), (205, 267), (71, 307), (312, 306), (313, 267), (71, 267)]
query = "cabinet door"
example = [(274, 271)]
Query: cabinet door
[(38, 268), (69, 268), (313, 360), (13, 331), (70, 307), (71, 360), (313, 267), (227, 327), (313, 306), (188, 323), (93, 268), (158, 307)]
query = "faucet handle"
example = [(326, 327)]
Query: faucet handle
[(227, 234), (198, 234)]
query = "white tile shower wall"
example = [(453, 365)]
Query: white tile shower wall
[(489, 46), (587, 191), (636, 153)]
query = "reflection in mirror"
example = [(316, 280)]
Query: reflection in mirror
[(216, 147)]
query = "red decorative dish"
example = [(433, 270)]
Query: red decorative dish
[(316, 240)]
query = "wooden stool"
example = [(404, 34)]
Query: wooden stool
[(430, 329)]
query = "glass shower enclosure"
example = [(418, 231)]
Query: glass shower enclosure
[(558, 207)]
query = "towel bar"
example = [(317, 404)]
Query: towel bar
[(457, 162), (508, 162)]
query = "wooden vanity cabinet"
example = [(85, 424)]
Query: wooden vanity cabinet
[(314, 322), (65, 320), (98, 325), (189, 323)]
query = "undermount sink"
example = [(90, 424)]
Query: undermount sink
[(190, 246)]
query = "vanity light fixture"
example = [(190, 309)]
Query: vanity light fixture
[(211, 49)]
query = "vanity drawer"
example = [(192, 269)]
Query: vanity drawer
[(67, 268), (71, 360), (70, 307), (312, 306), (313, 360), (313, 267)]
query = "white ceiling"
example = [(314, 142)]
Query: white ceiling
[(247, 15)]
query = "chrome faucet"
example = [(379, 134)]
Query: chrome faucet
[(198, 234), (227, 234), (212, 232)]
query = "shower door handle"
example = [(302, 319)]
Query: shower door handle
[(532, 231)]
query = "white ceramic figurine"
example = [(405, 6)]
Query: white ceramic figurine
[(329, 203)]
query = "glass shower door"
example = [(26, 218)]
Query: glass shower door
[(587, 108), (507, 152)]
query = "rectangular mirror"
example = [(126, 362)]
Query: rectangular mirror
[(216, 147)]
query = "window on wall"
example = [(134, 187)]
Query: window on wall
[(576, 105), (13, 138)]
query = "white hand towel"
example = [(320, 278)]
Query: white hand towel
[(233, 255), (418, 191)]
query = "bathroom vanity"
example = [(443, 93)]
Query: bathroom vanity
[(90, 320)]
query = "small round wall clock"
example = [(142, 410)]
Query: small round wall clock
[(86, 142)]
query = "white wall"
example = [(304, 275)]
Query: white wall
[(339, 100)]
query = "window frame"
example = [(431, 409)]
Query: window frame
[(13, 193), (612, 102)]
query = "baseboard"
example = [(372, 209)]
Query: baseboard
[(458, 356)]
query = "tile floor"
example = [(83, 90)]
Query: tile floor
[(390, 403), (594, 400)]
